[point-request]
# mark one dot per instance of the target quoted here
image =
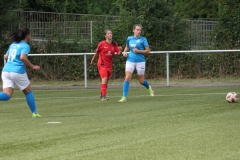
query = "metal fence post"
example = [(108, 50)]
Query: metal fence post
[(167, 66), (85, 70), (91, 33)]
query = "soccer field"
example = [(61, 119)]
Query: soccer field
[(178, 123)]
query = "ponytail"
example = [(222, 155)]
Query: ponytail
[(114, 43), (18, 35)]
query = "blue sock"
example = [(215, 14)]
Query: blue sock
[(31, 101), (125, 88), (4, 96), (145, 83)]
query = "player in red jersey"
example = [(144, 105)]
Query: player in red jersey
[(105, 53)]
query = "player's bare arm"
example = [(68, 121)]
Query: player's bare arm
[(120, 50), (94, 57), (6, 56), (25, 60), (126, 49), (146, 51)]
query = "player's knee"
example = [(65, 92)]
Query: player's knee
[(128, 79), (141, 81), (27, 89), (105, 80)]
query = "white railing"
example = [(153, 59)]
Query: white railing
[(152, 52), (190, 51)]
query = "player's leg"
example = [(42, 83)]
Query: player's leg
[(141, 78), (30, 98), (126, 83), (23, 83), (104, 84), (103, 87), (8, 87), (6, 94), (128, 76), (100, 74), (141, 72)]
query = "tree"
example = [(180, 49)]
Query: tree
[(73, 6), (196, 8), (66, 6), (163, 29), (8, 18), (227, 32)]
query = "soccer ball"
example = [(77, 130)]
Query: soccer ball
[(232, 97)]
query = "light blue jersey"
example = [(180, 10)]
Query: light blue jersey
[(140, 43), (14, 63)]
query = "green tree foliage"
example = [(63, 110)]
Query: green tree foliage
[(103, 7), (8, 18), (227, 33), (73, 6), (162, 26), (196, 8), (7, 15), (227, 36), (67, 6)]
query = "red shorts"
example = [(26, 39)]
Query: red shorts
[(105, 72)]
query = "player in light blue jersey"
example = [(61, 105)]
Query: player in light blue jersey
[(138, 46), (14, 71)]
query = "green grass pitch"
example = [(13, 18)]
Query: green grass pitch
[(178, 123)]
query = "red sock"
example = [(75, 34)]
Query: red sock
[(104, 89)]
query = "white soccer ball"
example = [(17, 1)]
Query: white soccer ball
[(232, 97)]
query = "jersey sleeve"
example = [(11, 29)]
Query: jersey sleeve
[(25, 49), (9, 49), (127, 41), (145, 42)]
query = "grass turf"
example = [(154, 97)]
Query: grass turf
[(178, 123), (173, 81)]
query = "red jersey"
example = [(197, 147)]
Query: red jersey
[(106, 53)]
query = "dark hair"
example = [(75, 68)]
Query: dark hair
[(113, 42), (18, 35), (135, 25)]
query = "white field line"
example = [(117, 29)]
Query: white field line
[(54, 122), (136, 96)]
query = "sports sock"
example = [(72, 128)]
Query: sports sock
[(125, 88), (4, 96), (145, 84), (31, 101), (104, 89)]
